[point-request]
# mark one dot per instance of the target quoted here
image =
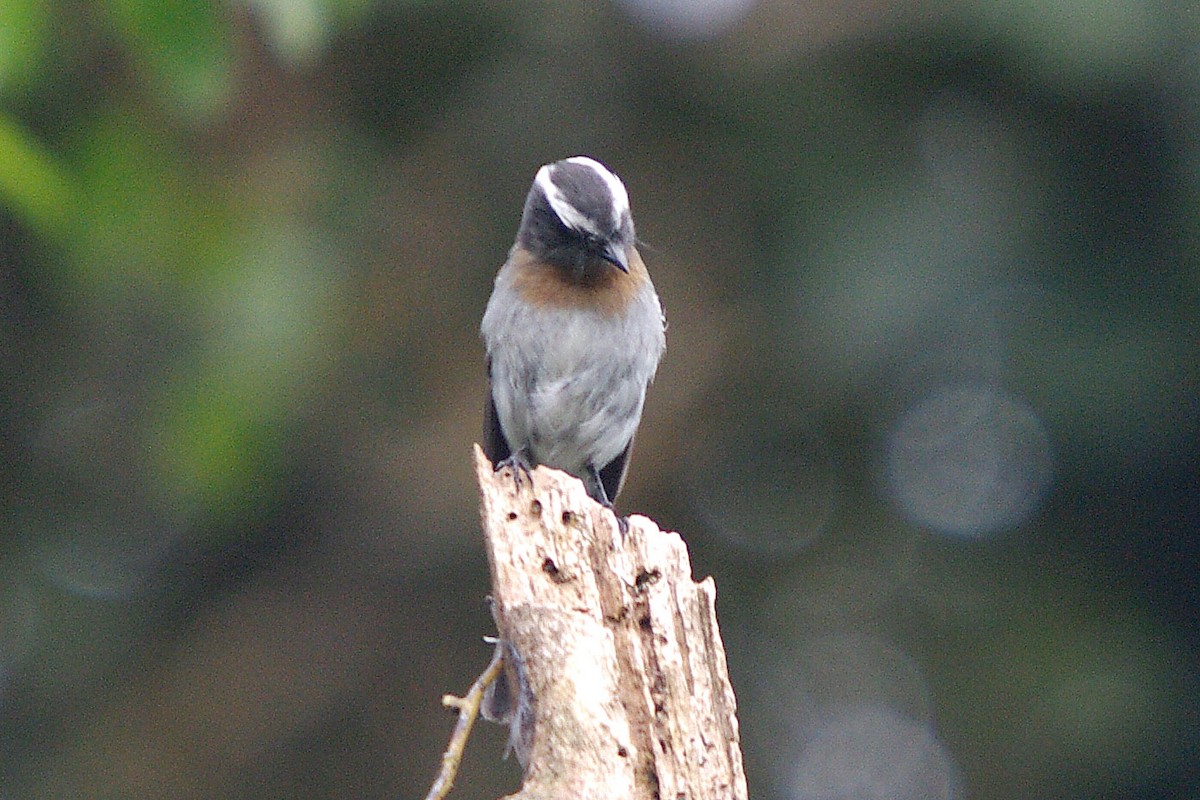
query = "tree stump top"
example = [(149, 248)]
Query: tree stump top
[(611, 647)]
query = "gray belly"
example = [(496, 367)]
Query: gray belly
[(570, 386)]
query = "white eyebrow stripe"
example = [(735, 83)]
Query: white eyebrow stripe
[(570, 216), (616, 189)]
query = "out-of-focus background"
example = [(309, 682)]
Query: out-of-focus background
[(929, 411)]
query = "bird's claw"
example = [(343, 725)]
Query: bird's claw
[(521, 470)]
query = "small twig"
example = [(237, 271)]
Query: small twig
[(468, 710)]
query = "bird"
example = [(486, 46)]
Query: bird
[(573, 332)]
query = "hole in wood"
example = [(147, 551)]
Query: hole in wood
[(645, 578)]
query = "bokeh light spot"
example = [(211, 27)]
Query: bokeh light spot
[(872, 753), (689, 19), (768, 492), (968, 460), (84, 555)]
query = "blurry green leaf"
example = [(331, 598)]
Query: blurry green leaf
[(185, 46), (23, 36), (273, 307), (32, 182), (210, 453), (145, 216), (224, 419)]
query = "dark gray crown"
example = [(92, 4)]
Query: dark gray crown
[(577, 216)]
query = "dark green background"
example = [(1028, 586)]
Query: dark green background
[(928, 411)]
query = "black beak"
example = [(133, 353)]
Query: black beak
[(614, 254)]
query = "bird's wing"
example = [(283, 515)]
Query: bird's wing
[(495, 446), (612, 475)]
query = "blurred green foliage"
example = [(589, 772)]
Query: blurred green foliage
[(24, 33), (182, 48), (35, 187), (929, 410)]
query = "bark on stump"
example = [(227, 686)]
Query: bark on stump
[(618, 648)]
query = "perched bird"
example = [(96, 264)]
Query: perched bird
[(573, 331)]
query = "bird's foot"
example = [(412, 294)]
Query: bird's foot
[(520, 466)]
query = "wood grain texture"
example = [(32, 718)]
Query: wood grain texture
[(614, 647)]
